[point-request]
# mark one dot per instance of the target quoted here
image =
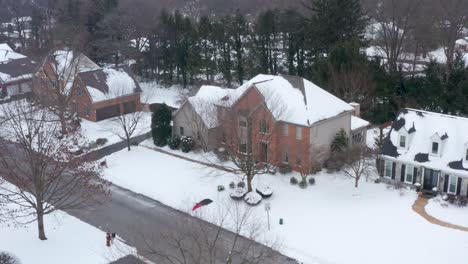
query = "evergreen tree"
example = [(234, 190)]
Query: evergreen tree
[(239, 32), (224, 46), (207, 49), (335, 21), (161, 125), (340, 142), (266, 41)]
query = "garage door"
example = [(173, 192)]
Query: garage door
[(107, 112)]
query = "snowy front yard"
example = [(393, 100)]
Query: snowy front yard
[(112, 130), (448, 212), (69, 241), (330, 222)]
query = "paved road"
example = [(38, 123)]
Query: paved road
[(132, 216)]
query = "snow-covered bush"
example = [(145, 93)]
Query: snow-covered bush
[(303, 184), (101, 141), (241, 184), (377, 181), (238, 193), (221, 188), (8, 258), (293, 181), (221, 154), (174, 143), (252, 198), (284, 169), (264, 191), (186, 144), (312, 181), (232, 185)]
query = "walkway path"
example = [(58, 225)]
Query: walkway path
[(419, 207)]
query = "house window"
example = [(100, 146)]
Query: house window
[(79, 92), (435, 148), (285, 129), (285, 157), (242, 121), (243, 148), (402, 141), (388, 169), (75, 107), (86, 110), (298, 132), (181, 131), (409, 174), (263, 127), (26, 87), (466, 155), (357, 138), (452, 187)]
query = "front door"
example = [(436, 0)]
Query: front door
[(263, 151), (431, 179)]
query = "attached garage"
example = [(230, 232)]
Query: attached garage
[(107, 112)]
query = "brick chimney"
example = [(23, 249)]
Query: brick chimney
[(357, 109)]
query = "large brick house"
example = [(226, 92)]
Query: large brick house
[(16, 74), (94, 93), (288, 118), (427, 149)]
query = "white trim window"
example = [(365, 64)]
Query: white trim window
[(452, 184), (285, 129), (388, 169), (409, 175), (402, 141), (285, 157), (358, 138), (264, 129), (435, 148), (298, 132)]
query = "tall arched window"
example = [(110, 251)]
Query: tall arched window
[(263, 126)]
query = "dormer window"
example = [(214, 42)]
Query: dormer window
[(435, 148), (402, 141)]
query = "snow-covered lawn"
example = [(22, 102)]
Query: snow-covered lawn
[(330, 222), (154, 93), (111, 130), (447, 212), (69, 241)]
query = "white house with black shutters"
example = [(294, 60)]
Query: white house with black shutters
[(427, 149)]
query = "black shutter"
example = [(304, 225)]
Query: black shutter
[(415, 174), (403, 171), (446, 182), (393, 170), (459, 185)]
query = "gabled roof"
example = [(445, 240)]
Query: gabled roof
[(451, 130), (292, 99), (106, 84), (14, 66), (204, 103)]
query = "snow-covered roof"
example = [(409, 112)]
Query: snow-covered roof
[(106, 84), (357, 123), (293, 99), (204, 103), (68, 61), (461, 42), (7, 53), (422, 129)]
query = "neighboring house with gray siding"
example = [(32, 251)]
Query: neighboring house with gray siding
[(429, 150)]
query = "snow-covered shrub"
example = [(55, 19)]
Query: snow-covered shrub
[(252, 198), (238, 193), (186, 144), (241, 184), (101, 141), (264, 191), (134, 143), (221, 154), (174, 143), (232, 185), (461, 201), (8, 258), (312, 181), (303, 184), (221, 188), (293, 180), (284, 169), (377, 181)]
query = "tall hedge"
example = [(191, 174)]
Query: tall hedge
[(161, 125)]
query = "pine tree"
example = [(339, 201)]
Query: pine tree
[(340, 142), (161, 125), (238, 32), (335, 21)]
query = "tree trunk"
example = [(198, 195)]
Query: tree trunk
[(356, 182), (40, 225), (249, 184), (128, 144)]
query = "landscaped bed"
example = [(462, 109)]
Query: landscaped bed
[(329, 222)]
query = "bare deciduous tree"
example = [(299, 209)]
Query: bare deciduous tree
[(43, 167), (235, 237), (359, 162)]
